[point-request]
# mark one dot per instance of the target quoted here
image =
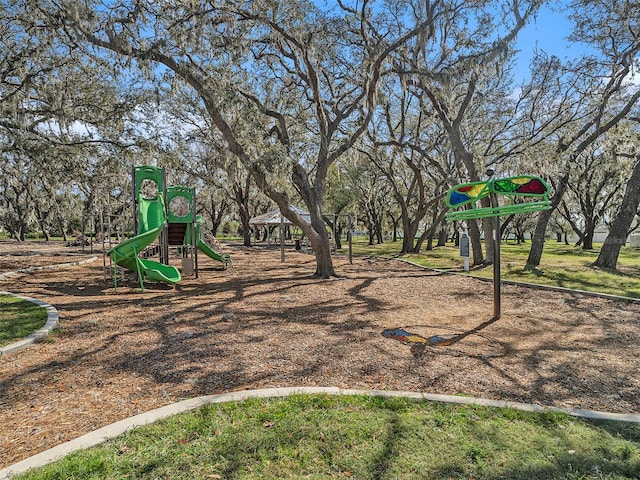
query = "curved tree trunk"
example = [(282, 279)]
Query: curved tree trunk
[(537, 240), (608, 257), (370, 231), (241, 194), (246, 231), (379, 236), (394, 227), (587, 238), (410, 230), (324, 262), (337, 228), (420, 241), (321, 247), (487, 228)]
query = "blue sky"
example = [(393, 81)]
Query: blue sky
[(548, 32)]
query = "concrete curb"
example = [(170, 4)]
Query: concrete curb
[(111, 431), (52, 314), (52, 321)]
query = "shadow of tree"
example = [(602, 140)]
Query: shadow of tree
[(277, 326)]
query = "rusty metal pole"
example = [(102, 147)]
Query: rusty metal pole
[(496, 255)]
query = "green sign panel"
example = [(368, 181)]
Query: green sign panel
[(526, 193)]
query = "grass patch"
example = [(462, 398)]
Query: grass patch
[(19, 318), (561, 266), (321, 436)]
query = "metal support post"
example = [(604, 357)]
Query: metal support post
[(496, 259), (350, 239), (281, 238)]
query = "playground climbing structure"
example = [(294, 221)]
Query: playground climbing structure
[(164, 217)]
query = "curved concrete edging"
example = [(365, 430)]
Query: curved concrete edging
[(111, 431), (52, 314), (52, 321)]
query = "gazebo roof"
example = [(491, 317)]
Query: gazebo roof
[(275, 217)]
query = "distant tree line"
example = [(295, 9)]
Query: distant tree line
[(371, 109)]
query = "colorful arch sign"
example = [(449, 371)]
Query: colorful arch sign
[(532, 191), (526, 193)]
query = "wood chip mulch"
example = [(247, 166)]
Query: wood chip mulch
[(270, 324)]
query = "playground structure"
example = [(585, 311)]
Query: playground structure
[(163, 217), (535, 189)]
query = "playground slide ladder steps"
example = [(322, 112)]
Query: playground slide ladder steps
[(151, 251), (177, 233)]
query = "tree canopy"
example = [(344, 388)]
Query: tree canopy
[(373, 108)]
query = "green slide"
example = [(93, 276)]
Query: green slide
[(205, 248), (151, 221)]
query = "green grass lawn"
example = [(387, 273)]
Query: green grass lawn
[(360, 437), (19, 318), (562, 265)]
